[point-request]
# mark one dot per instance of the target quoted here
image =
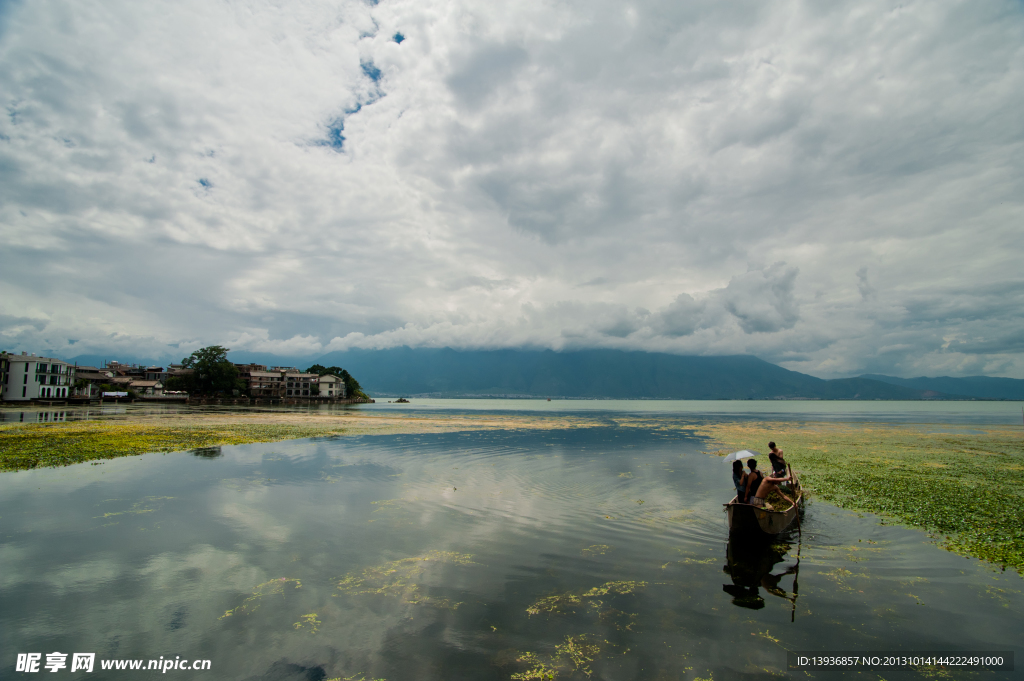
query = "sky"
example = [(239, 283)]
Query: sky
[(836, 187)]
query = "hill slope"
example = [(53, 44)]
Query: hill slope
[(983, 387)]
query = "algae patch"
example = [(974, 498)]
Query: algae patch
[(573, 656), (253, 602), (396, 579), (310, 622)]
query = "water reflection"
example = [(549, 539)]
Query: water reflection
[(751, 562), (590, 554), (36, 416), (207, 452)]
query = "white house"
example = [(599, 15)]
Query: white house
[(29, 377), (332, 386)]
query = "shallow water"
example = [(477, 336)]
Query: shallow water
[(982, 412), (142, 557)]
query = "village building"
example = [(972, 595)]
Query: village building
[(285, 382), (266, 383), (29, 377), (332, 387), (147, 388), (90, 381)]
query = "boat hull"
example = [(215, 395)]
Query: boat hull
[(747, 518)]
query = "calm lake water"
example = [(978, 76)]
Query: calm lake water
[(600, 550)]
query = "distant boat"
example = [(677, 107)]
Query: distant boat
[(747, 517)]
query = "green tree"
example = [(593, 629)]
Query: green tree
[(213, 372), (352, 387), (180, 384)]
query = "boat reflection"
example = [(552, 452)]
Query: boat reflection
[(752, 566)]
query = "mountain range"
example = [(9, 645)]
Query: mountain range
[(445, 372), (599, 374)]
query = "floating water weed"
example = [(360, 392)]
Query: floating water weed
[(623, 621), (253, 602), (559, 604), (568, 602), (622, 587), (572, 656), (310, 621), (596, 550), (394, 579)]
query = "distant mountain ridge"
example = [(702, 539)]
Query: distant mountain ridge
[(981, 387), (597, 374)]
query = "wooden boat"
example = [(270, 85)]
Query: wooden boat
[(747, 517)]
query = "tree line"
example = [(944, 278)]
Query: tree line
[(213, 373)]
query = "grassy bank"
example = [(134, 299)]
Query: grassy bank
[(963, 485), (24, 446), (33, 446)]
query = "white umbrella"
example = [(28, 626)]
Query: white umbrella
[(742, 454)]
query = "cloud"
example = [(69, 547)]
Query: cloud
[(762, 301), (530, 175)]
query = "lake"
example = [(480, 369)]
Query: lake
[(596, 552)]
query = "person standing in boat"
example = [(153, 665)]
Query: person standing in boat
[(739, 479), (776, 457)]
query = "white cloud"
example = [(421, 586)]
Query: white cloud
[(292, 180)]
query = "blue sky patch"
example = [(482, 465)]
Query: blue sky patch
[(371, 71), (206, 184), (335, 140), (398, 37)]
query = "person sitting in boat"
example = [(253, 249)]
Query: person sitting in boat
[(739, 479), (768, 485), (777, 459), (754, 479)]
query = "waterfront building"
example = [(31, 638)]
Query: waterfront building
[(91, 381), (265, 383), (285, 382), (332, 387), (29, 377), (147, 388)]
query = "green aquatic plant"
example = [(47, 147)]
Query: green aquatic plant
[(623, 621), (596, 550), (580, 651), (310, 621), (963, 485), (568, 602), (253, 602), (62, 444), (621, 587), (539, 669), (571, 657), (559, 604), (395, 579)]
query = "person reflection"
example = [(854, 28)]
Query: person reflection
[(750, 564)]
